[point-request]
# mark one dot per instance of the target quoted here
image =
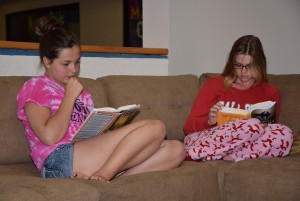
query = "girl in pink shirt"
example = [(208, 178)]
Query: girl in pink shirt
[(242, 83), (45, 92), (53, 106)]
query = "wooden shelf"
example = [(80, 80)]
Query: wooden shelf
[(89, 48)]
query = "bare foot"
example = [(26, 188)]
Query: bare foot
[(98, 178), (228, 158), (79, 175)]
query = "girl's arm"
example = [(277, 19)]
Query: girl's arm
[(51, 129), (198, 117)]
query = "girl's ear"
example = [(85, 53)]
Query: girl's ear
[(46, 62)]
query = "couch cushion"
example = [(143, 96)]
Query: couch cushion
[(296, 145), (13, 144), (97, 91), (290, 108), (24, 169), (262, 179), (168, 98), (191, 181), (16, 188)]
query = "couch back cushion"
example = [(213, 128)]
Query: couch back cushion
[(13, 144), (167, 98), (288, 86)]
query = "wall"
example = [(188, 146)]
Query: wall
[(156, 23), (202, 33), (199, 33), (93, 65), (101, 21)]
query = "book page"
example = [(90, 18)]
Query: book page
[(128, 107), (122, 108), (95, 125), (106, 109), (233, 111), (262, 105)]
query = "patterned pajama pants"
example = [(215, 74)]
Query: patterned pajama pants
[(240, 139)]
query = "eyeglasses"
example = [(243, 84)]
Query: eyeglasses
[(241, 66)]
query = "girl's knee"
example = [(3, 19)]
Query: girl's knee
[(281, 135), (157, 127), (176, 150), (280, 131)]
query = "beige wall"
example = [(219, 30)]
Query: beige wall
[(203, 31), (101, 21), (91, 67)]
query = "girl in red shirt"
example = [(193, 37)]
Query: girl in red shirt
[(242, 83)]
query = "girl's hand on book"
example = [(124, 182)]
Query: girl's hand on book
[(212, 114)]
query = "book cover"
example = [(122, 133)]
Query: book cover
[(101, 120), (264, 111)]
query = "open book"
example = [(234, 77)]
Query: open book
[(104, 119), (264, 111)]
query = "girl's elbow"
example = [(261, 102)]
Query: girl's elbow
[(49, 139)]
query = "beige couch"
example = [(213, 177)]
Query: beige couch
[(168, 98)]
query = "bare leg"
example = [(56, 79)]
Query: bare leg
[(133, 149), (106, 155), (170, 155)]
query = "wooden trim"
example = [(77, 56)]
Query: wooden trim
[(89, 48), (19, 45)]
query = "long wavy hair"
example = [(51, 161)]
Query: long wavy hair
[(247, 45)]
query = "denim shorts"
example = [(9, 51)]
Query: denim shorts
[(59, 164)]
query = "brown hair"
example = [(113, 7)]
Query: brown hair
[(247, 45), (53, 37)]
